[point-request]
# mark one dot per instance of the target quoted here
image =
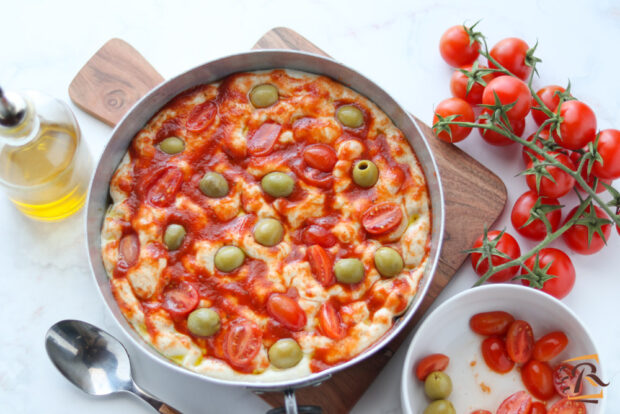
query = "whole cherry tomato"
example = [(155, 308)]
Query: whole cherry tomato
[(578, 125), (330, 322), (509, 89), (243, 342), (538, 379), (520, 341), (382, 218), (567, 406), (320, 156), (287, 311), (561, 267), (520, 214), (455, 47), (538, 408), (563, 181), (608, 148), (454, 106), (495, 355), (497, 139), (550, 346), (510, 53), (589, 179), (544, 135), (550, 97), (431, 363), (576, 237), (491, 323), (459, 81), (565, 380), (518, 403), (508, 245)]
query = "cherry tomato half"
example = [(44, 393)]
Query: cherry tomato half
[(538, 379), (201, 116), (164, 187), (520, 214), (550, 346), (550, 97), (454, 106), (382, 218), (538, 408), (330, 322), (287, 311), (481, 412), (321, 265), (320, 156), (576, 237), (565, 380), (491, 323), (243, 342), (315, 234), (578, 125), (508, 245), (518, 403), (509, 89), (510, 53), (262, 140), (566, 406), (431, 363), (608, 148), (181, 300), (495, 355), (520, 341), (497, 139), (563, 181), (129, 249), (455, 47), (561, 267), (459, 81)]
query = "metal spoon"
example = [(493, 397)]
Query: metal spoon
[(95, 361)]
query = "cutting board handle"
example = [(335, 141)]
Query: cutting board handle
[(114, 79)]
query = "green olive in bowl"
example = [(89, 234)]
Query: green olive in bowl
[(438, 385), (440, 407)]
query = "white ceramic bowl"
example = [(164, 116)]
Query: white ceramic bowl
[(446, 330)]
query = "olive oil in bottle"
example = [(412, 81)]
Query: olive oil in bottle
[(44, 166)]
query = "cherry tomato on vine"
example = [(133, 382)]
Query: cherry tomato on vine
[(565, 380), (455, 47), (518, 403), (550, 346), (509, 90), (567, 406), (608, 148), (576, 237), (578, 125), (497, 139), (561, 267), (495, 355), (491, 323), (454, 106), (431, 363), (538, 379), (508, 245), (544, 134), (510, 53), (459, 81), (589, 179), (550, 97), (520, 214), (538, 408), (520, 341), (563, 181)]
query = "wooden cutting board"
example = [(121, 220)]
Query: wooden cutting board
[(117, 76)]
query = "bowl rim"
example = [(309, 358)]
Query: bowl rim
[(406, 375)]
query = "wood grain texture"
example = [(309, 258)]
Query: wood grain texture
[(474, 196), (115, 78), (166, 409)]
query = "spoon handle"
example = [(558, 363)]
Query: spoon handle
[(158, 405)]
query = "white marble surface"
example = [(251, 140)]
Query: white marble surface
[(45, 275)]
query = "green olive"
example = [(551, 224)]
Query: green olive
[(203, 322), (268, 232), (438, 385), (350, 116), (228, 258), (285, 353), (440, 407), (349, 270), (173, 236), (365, 173), (388, 262), (172, 145), (263, 95), (213, 185), (278, 184)]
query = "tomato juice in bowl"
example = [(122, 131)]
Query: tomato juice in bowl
[(474, 385)]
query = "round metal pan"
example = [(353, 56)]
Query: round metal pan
[(149, 105)]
